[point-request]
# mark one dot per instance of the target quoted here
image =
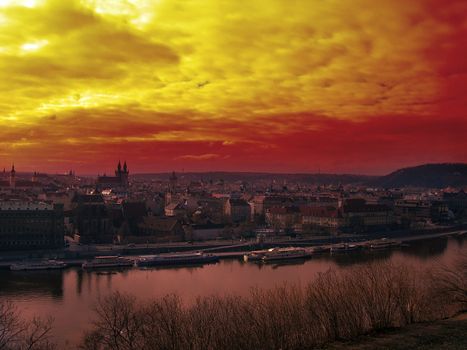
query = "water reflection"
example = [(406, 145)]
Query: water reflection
[(40, 283), (360, 257), (295, 262), (428, 249)]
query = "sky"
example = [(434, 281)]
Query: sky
[(333, 86)]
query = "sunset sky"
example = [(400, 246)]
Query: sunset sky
[(355, 86)]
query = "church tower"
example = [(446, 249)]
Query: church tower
[(118, 172), (13, 176), (172, 182), (124, 175)]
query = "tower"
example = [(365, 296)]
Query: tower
[(125, 174), (13, 176), (172, 182), (118, 172)]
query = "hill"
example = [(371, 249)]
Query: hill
[(427, 175)]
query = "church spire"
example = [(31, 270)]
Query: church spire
[(13, 176)]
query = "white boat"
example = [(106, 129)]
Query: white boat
[(255, 255), (108, 261), (176, 259), (276, 254), (38, 265)]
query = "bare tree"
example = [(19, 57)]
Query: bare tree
[(118, 324), (451, 280), (19, 334)]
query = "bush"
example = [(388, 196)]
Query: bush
[(337, 305)]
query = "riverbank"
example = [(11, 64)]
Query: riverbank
[(449, 334), (223, 249)]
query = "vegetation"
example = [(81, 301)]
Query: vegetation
[(336, 306), (18, 334)]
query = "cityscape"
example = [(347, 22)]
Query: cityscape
[(38, 210), (216, 174)]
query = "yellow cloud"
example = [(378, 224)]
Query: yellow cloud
[(132, 63)]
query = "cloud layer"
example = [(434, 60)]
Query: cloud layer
[(232, 85)]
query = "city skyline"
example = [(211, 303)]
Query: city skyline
[(265, 86)]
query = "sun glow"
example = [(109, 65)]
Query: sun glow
[(25, 3), (33, 46)]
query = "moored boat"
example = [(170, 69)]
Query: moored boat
[(254, 256), (38, 265), (384, 244), (107, 261), (276, 254), (343, 248), (176, 259)]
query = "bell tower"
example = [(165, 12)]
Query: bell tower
[(13, 176), (124, 175)]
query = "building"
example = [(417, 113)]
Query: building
[(91, 221), (237, 210), (456, 202), (31, 225), (203, 232), (175, 209), (353, 215), (325, 218), (282, 218), (119, 181), (160, 229), (413, 209), (360, 215)]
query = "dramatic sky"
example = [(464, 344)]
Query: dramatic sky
[(357, 86)]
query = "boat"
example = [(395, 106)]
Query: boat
[(277, 254), (343, 248), (38, 265), (384, 244), (254, 256), (176, 259), (107, 261)]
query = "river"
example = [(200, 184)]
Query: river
[(69, 295)]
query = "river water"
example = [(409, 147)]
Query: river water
[(69, 295)]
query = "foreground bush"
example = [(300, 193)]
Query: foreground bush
[(334, 306)]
